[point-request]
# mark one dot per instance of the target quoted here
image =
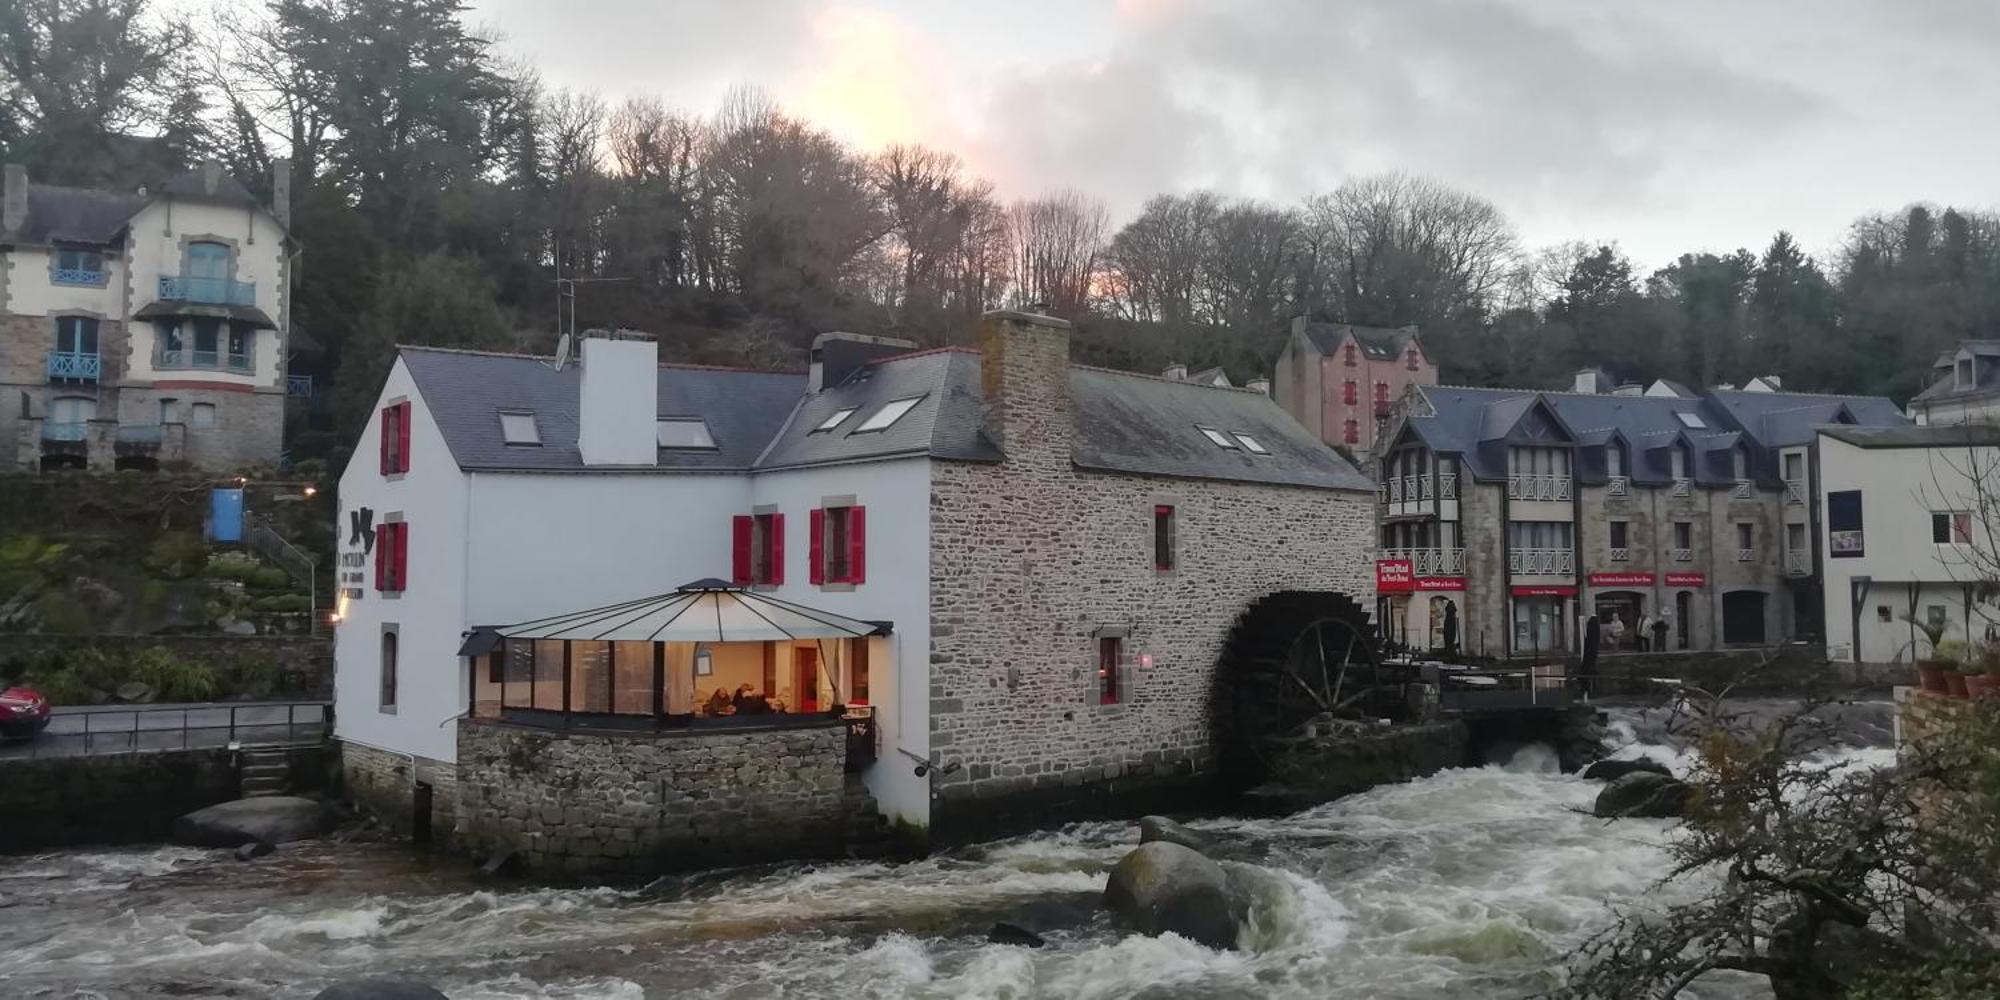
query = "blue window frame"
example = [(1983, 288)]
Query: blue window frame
[(207, 260), (79, 266)]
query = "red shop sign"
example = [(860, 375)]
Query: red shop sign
[(1440, 583), (1394, 576), (1541, 590), (1621, 579), (1687, 579)]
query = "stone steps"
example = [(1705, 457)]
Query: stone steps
[(265, 772)]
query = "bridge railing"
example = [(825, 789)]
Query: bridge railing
[(115, 729)]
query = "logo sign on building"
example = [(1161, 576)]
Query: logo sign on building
[(1621, 579), (1394, 576), (1687, 579), (354, 564), (1542, 590), (1440, 583)]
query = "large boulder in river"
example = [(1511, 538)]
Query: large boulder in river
[(1643, 793), (1160, 887), (1611, 770), (1161, 829), (274, 819), (380, 989)]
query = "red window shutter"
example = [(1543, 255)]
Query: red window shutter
[(857, 545), (777, 551), (403, 437), (816, 547), (1350, 392), (739, 549), (402, 556), (382, 537), (388, 429)]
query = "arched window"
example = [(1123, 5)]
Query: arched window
[(208, 260), (388, 669)]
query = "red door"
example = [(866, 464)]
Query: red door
[(805, 660)]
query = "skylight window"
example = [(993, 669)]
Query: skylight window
[(892, 411), (689, 433), (1221, 440), (518, 427), (837, 418), (1691, 420), (1250, 444)]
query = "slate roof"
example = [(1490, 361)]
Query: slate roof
[(1919, 436), (218, 186), (1124, 422), (73, 215), (1377, 343), (1985, 375), (1476, 424)]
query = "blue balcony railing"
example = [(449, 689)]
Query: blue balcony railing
[(183, 358), (215, 291), (80, 276), (299, 385), (68, 431), (74, 366)]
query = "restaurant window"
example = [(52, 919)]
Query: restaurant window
[(839, 544), (590, 676), (1163, 537), (388, 701), (1951, 527), (632, 677), (1110, 656), (546, 691), (857, 672), (758, 549)]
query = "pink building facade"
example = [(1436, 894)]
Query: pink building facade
[(1342, 381)]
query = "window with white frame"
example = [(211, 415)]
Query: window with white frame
[(685, 433), (886, 417), (835, 419), (518, 427), (1951, 527)]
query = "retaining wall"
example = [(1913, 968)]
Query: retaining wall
[(120, 798)]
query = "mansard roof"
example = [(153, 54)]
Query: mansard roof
[(761, 420), (1377, 343)]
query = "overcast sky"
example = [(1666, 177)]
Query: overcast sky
[(1667, 127)]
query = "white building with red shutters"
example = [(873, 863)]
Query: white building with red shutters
[(1003, 578)]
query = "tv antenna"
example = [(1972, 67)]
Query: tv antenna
[(566, 323)]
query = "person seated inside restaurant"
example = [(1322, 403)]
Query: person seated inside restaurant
[(748, 702), (719, 703)]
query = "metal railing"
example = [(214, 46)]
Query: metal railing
[(80, 276), (262, 539), (1524, 486), (1798, 564), (1795, 493), (1683, 487), (1447, 485), (1621, 554), (1618, 486), (299, 385), (1746, 555), (1681, 555), (1541, 562), (218, 291), (112, 729), (145, 436), (1741, 490), (77, 366), (1431, 562), (183, 358), (69, 430)]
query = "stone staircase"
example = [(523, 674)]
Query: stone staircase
[(266, 772), (865, 832)]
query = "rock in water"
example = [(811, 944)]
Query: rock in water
[(1006, 933), (1611, 770), (1162, 887), (380, 989), (1163, 830), (254, 849), (275, 819), (1643, 793)]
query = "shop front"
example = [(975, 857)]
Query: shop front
[(1619, 601), (1420, 613), (1539, 614)]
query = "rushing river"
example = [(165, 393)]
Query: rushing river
[(1472, 883)]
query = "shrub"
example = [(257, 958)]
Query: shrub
[(269, 580), (177, 555), (233, 566), (282, 604), (253, 674), (175, 679), (62, 614)]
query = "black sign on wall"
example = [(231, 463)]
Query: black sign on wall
[(1843, 524)]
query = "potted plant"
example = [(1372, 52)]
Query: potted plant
[(1983, 677), (1957, 657), (1933, 667)]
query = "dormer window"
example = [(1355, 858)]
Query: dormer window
[(1221, 440), (1614, 460), (78, 266), (835, 419), (1740, 463), (1965, 373), (686, 434), (1680, 463), (1691, 420), (517, 427), (886, 417), (1250, 444)]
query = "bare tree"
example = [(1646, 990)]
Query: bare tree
[(1057, 244), (1395, 249)]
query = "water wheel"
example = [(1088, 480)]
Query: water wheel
[(1293, 657)]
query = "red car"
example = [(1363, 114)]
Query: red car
[(23, 712)]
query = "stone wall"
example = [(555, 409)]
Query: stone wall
[(120, 798), (1033, 561), (384, 783), (1791, 669), (641, 804)]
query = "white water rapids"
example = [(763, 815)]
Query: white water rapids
[(1471, 883)]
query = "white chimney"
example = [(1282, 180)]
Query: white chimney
[(1176, 371), (1259, 384), (1589, 381), (619, 410)]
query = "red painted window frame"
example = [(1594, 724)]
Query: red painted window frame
[(1165, 555), (748, 533), (392, 557), (1110, 657), (855, 526), (1351, 431), (1350, 392), (1352, 356), (395, 442)]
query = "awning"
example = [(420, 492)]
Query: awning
[(174, 309), (703, 611)]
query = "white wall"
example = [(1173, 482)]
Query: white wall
[(430, 614), (31, 293), (157, 233), (1900, 487), (896, 589)]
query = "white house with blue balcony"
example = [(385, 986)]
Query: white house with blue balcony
[(145, 328)]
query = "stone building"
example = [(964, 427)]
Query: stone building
[(1006, 579), (1516, 514), (1964, 388), (1342, 382), (144, 328)]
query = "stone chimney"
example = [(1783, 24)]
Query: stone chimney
[(1174, 370), (836, 355), (211, 176), (1024, 375), (14, 211), (281, 191), (618, 409), (1259, 384), (1629, 389)]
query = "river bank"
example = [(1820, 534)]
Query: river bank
[(1470, 883)]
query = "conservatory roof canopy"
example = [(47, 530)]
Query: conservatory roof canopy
[(707, 610)]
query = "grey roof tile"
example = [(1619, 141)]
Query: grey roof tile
[(74, 215)]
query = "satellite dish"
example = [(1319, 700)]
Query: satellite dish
[(562, 351)]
